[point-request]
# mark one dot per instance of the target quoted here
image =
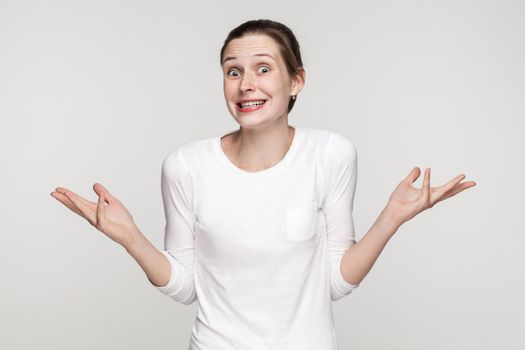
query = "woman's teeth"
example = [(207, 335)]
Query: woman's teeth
[(253, 103)]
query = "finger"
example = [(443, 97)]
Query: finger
[(81, 203), (62, 193), (66, 201), (98, 188), (413, 175), (446, 187), (458, 188), (101, 211), (425, 195), (443, 190)]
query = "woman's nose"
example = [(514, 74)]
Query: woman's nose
[(247, 82)]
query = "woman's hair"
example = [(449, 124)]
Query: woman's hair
[(283, 37)]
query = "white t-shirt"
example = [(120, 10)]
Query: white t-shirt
[(260, 252)]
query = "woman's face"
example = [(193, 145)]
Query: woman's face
[(253, 69)]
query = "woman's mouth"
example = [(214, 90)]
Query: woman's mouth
[(250, 106)]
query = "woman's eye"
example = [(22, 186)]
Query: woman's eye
[(234, 72)]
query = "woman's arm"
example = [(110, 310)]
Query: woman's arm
[(154, 263), (171, 275), (404, 203), (110, 217), (359, 258)]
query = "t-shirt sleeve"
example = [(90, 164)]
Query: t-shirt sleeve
[(340, 180), (176, 189)]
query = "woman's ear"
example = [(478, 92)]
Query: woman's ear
[(298, 81)]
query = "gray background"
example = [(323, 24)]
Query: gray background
[(102, 91)]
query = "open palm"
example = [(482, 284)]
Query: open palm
[(407, 201), (112, 219)]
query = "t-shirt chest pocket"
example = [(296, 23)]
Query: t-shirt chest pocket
[(302, 223)]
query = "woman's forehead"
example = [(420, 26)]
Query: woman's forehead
[(251, 45)]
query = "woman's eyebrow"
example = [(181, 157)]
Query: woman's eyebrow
[(257, 54)]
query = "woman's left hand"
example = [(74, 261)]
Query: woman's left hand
[(407, 201)]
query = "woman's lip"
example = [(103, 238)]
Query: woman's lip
[(250, 108)]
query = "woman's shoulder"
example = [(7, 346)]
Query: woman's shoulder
[(190, 151), (335, 149), (331, 141)]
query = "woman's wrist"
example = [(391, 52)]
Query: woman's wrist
[(390, 216), (135, 238)]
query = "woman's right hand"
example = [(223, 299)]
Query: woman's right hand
[(113, 219)]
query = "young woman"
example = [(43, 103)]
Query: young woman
[(259, 227)]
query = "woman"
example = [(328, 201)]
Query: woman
[(259, 228)]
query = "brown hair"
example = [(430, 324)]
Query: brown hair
[(283, 37)]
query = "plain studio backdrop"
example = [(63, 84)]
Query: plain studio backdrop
[(102, 91)]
